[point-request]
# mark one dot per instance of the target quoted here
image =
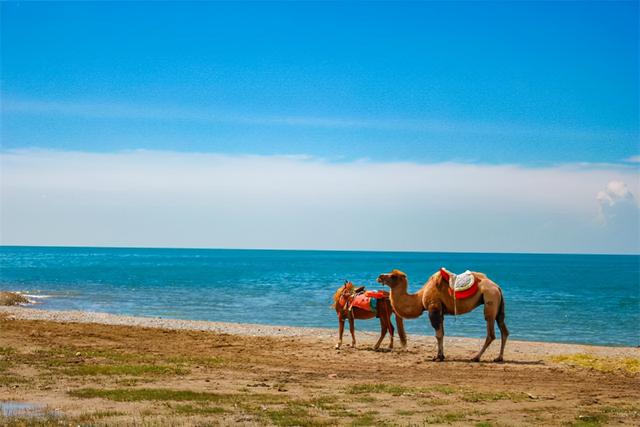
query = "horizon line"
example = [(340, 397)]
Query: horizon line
[(319, 250)]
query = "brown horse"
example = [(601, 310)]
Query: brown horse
[(342, 301)]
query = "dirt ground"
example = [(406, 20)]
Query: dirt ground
[(92, 374)]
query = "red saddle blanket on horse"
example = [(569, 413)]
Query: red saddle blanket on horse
[(368, 300)]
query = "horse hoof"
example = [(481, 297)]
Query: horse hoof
[(498, 360), (475, 360), (337, 347), (438, 358)]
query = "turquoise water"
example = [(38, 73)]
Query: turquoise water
[(592, 299)]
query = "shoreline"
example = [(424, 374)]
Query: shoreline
[(316, 334)]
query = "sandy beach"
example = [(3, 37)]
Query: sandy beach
[(103, 369)]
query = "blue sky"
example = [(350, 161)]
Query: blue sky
[(490, 82), (544, 85)]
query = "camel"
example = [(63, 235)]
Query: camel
[(342, 302), (435, 298)]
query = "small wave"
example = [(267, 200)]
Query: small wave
[(36, 296), (33, 298)]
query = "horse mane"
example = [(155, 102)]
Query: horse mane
[(336, 296)]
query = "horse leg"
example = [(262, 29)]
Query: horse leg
[(390, 327), (340, 331), (383, 331), (490, 313), (504, 332), (436, 316), (352, 329)]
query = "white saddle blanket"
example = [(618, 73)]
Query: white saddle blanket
[(461, 282)]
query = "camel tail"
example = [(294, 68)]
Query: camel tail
[(401, 332), (500, 316)]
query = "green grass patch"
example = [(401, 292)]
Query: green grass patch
[(208, 362), (591, 420), (602, 364), (294, 415), (127, 370), (98, 415), (164, 394), (6, 380), (111, 355), (197, 410), (626, 411), (398, 390), (475, 396), (4, 351), (368, 419), (46, 420), (447, 418)]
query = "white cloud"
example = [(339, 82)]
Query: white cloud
[(616, 192), (151, 198), (619, 210)]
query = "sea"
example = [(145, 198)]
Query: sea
[(588, 299)]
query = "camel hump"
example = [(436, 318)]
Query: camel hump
[(446, 274), (459, 282)]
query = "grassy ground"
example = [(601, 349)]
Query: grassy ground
[(87, 374)]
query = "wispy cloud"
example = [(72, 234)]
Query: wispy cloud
[(152, 198), (97, 110), (633, 159)]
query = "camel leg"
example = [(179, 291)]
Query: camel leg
[(340, 331), (401, 333), (352, 329), (490, 317), (504, 332), (437, 322)]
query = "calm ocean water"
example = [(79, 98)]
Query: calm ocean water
[(593, 299)]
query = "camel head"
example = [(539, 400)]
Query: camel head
[(393, 279)]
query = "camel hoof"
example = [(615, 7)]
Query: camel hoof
[(438, 358), (498, 360), (475, 360), (337, 347)]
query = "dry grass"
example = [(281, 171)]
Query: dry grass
[(601, 364)]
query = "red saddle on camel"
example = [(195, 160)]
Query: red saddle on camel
[(463, 285)]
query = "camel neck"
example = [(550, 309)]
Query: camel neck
[(407, 305)]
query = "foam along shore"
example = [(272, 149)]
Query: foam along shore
[(518, 350)]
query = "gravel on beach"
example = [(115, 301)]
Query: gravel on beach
[(519, 349)]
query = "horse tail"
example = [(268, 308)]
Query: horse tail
[(401, 332)]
